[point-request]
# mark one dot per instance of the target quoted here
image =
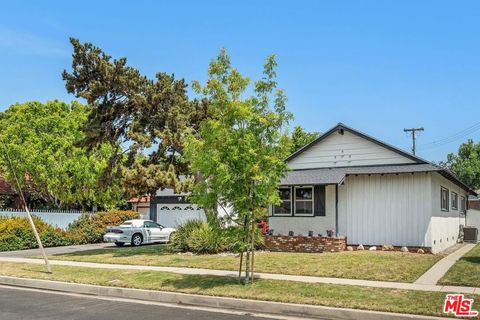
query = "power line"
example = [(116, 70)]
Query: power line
[(459, 134), (449, 139)]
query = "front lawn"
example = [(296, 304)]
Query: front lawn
[(367, 265), (466, 271), (390, 300)]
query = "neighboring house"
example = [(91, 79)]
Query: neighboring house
[(370, 192), (473, 212), (474, 202), (9, 198), (142, 206)]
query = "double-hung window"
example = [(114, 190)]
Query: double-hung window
[(454, 201), (284, 208), (444, 199), (304, 201)]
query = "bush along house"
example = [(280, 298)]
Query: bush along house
[(360, 190)]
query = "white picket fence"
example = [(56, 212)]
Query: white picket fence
[(56, 218)]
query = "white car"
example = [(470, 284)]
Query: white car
[(137, 232)]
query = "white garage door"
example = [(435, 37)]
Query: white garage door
[(173, 215)]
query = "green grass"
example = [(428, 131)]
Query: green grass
[(367, 265), (391, 300), (466, 271)]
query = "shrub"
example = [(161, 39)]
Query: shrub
[(17, 234), (207, 239), (91, 228), (203, 237), (181, 236)]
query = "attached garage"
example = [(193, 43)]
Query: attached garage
[(173, 210)]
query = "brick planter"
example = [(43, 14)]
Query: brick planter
[(305, 244)]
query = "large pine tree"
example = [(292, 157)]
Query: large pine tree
[(143, 119)]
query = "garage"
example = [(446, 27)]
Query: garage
[(173, 210)]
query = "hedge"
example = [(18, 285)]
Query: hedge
[(16, 233), (91, 228)]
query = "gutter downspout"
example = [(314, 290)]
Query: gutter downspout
[(336, 210)]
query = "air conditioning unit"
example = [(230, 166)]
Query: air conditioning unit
[(470, 234)]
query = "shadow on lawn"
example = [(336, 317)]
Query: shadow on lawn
[(201, 282), (147, 249), (475, 259)]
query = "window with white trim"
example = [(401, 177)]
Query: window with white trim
[(463, 204), (285, 208), (454, 201), (444, 198), (304, 201)]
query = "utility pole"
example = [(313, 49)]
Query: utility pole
[(414, 136), (29, 216)]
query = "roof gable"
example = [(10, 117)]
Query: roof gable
[(343, 146)]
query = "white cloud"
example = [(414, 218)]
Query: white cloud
[(29, 44)]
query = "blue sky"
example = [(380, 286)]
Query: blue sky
[(378, 66)]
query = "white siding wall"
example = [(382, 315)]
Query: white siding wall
[(302, 225), (388, 209), (344, 150), (473, 218), (444, 226)]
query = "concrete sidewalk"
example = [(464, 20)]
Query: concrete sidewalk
[(438, 270), (271, 276)]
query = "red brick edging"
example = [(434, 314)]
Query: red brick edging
[(305, 244)]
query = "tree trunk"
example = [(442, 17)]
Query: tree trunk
[(253, 250), (247, 259), (245, 229), (240, 267)]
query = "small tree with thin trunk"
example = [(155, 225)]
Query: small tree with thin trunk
[(239, 150)]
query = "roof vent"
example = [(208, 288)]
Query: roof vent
[(340, 130)]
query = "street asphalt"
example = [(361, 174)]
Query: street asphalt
[(21, 304)]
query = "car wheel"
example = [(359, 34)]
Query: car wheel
[(137, 239), (119, 244)]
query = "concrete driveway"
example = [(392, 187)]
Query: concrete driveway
[(56, 250)]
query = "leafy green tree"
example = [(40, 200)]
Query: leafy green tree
[(40, 141), (466, 163), (143, 120), (239, 149), (300, 137)]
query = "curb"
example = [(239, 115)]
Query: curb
[(274, 308)]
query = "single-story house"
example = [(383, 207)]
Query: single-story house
[(353, 185)]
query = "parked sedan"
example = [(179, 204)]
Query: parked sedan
[(138, 232)]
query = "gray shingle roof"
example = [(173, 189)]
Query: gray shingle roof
[(314, 176), (336, 175)]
